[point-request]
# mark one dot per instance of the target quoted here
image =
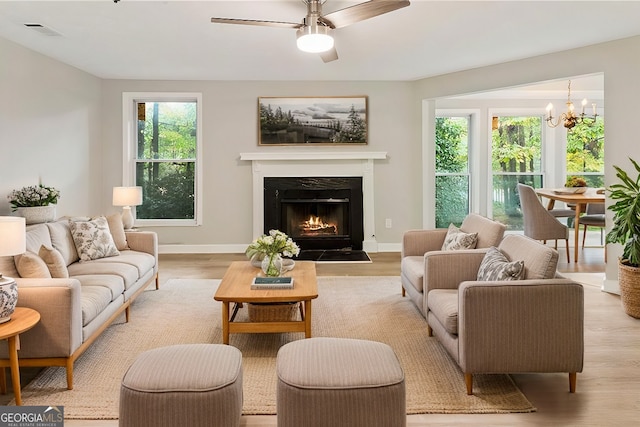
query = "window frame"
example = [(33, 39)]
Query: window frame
[(129, 149)]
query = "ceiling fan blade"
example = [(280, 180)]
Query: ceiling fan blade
[(360, 12), (256, 22), (330, 55)]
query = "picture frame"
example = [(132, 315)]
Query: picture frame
[(337, 120)]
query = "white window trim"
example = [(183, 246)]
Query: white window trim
[(129, 126)]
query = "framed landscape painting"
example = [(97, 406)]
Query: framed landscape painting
[(312, 121)]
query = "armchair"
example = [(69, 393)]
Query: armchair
[(530, 325), (416, 243)]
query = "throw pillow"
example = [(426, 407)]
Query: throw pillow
[(93, 239), (30, 265), (117, 231), (55, 262), (496, 266), (456, 239)]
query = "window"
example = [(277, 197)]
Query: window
[(452, 170), (516, 157), (162, 155), (585, 152)]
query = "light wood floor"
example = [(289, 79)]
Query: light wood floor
[(608, 391)]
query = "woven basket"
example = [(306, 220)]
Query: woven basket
[(629, 280), (277, 312)]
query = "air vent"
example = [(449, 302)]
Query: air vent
[(43, 30)]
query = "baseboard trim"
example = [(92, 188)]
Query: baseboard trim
[(239, 248)]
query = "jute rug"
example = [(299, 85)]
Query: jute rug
[(183, 311)]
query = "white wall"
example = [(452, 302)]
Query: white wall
[(230, 124), (49, 129)]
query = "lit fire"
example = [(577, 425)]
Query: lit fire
[(316, 225)]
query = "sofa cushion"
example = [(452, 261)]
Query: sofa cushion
[(62, 240), (92, 239), (94, 300), (114, 283), (443, 303), (116, 227), (412, 268), (496, 266), (55, 262), (37, 235), (490, 232), (456, 239), (540, 261), (142, 261), (127, 272), (31, 265)]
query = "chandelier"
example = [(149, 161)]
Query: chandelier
[(570, 119)]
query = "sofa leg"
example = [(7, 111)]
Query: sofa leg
[(468, 379), (69, 374), (403, 291), (126, 314), (429, 331), (157, 282), (573, 378)]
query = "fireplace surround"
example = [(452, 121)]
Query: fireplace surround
[(316, 163)]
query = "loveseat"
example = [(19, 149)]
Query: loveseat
[(506, 311), (417, 243), (80, 274)]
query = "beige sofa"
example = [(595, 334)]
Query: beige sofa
[(76, 309), (417, 243)]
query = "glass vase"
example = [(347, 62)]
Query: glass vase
[(272, 265)]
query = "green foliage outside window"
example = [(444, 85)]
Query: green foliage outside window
[(516, 156), (452, 180), (165, 168), (585, 153)]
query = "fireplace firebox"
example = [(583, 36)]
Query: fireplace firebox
[(319, 213)]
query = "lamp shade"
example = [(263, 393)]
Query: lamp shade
[(13, 236), (127, 196)]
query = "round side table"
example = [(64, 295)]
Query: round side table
[(22, 320)]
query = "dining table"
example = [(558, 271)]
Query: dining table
[(571, 198)]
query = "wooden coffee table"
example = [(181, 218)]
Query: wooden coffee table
[(235, 287)]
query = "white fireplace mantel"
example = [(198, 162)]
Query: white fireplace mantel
[(316, 163)]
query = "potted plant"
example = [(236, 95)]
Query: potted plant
[(626, 231), (36, 203), (267, 252)]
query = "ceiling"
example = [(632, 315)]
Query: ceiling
[(175, 40)]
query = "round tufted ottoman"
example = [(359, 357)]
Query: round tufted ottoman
[(339, 382), (183, 385)]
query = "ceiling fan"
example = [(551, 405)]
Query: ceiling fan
[(314, 32)]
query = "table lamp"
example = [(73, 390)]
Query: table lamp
[(127, 197), (13, 241)]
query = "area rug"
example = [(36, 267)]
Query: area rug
[(183, 311)]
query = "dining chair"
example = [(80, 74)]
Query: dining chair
[(594, 217), (539, 223)]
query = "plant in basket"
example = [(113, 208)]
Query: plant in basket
[(626, 231)]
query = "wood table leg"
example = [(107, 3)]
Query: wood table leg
[(307, 319), (15, 369), (576, 229), (225, 322), (3, 381)]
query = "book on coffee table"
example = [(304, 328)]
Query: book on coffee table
[(272, 283)]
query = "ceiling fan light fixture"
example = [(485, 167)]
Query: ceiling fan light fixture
[(314, 39)]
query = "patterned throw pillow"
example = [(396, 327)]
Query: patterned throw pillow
[(93, 239), (456, 239), (496, 266)]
